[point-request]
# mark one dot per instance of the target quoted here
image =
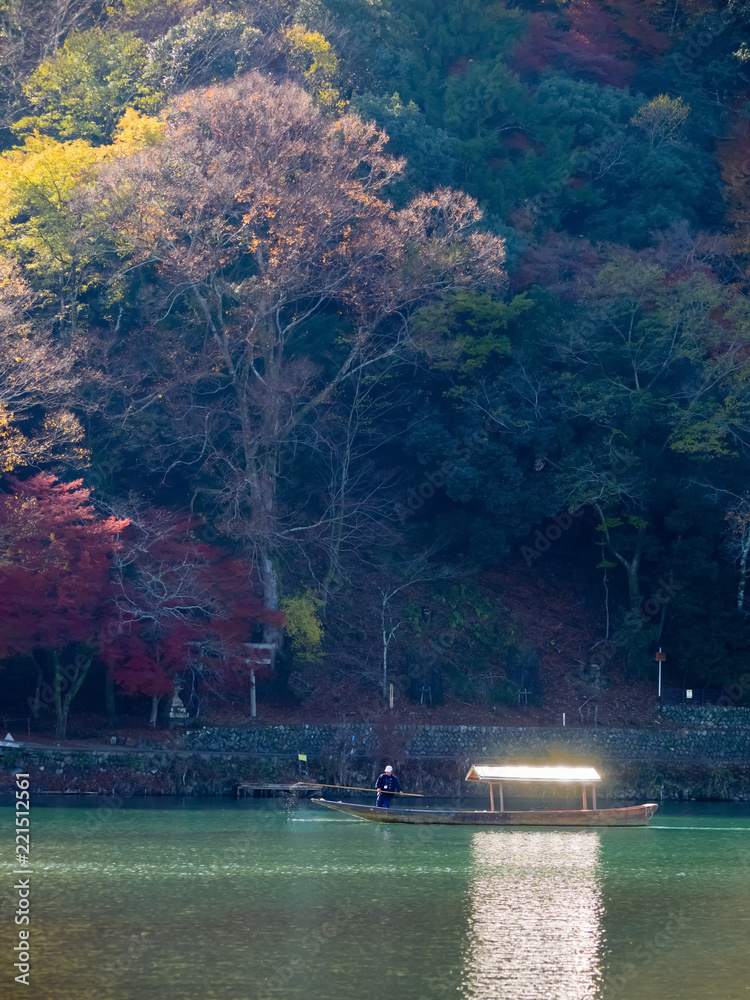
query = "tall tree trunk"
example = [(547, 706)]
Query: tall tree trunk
[(35, 703), (261, 451), (61, 710), (606, 605), (339, 495), (67, 683), (155, 698), (109, 699), (61, 724), (388, 632), (263, 497), (632, 565), (744, 552)]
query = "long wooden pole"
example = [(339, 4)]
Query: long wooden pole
[(356, 788)]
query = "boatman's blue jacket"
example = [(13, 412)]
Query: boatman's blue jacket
[(386, 783)]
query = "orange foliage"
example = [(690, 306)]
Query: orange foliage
[(598, 39), (255, 169), (734, 157), (258, 211)]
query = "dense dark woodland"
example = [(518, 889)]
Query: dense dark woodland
[(386, 333)]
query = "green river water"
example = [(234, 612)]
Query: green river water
[(262, 899)]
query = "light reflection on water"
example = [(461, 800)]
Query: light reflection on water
[(534, 929), (251, 901)]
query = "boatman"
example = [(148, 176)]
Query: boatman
[(387, 782)]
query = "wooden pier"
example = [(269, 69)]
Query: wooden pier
[(260, 789)]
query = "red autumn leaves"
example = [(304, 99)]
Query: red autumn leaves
[(143, 596)]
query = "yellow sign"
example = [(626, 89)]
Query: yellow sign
[(301, 756)]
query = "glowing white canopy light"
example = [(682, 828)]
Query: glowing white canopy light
[(524, 772)]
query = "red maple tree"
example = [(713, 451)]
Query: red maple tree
[(184, 607), (56, 595), (584, 40), (140, 592)]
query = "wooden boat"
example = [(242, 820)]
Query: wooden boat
[(584, 817), (626, 816)]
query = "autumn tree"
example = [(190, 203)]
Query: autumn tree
[(661, 119), (31, 31), (174, 593), (37, 384), (259, 216), (57, 593), (208, 46), (83, 90), (48, 220), (737, 538)]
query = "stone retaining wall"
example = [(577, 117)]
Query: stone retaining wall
[(717, 744), (635, 764), (708, 716), (285, 740), (592, 744)]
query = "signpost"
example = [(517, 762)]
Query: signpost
[(660, 658)]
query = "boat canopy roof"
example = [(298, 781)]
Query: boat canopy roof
[(525, 772)]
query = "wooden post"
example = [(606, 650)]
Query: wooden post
[(390, 700), (583, 789), (502, 807), (593, 796), (492, 799), (252, 694)]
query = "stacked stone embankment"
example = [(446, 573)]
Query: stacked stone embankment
[(706, 757), (708, 716), (648, 744), (720, 744), (273, 741)]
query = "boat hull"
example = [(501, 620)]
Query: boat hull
[(625, 816)]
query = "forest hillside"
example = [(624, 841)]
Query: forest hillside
[(358, 343)]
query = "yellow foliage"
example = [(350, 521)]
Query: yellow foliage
[(60, 437), (310, 44), (303, 625), (313, 57), (45, 170), (661, 118), (12, 442), (135, 7), (136, 131), (37, 181), (141, 11)]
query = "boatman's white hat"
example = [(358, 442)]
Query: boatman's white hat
[(389, 768)]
